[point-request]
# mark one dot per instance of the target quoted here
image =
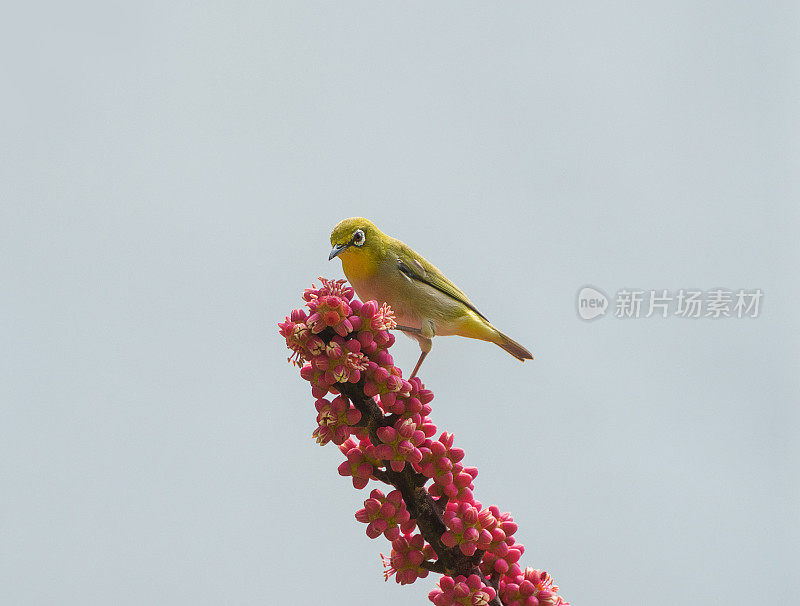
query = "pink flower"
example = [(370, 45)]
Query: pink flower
[(383, 376), (502, 552), (334, 420), (503, 557), (464, 591), (385, 514), (418, 390), (342, 361), (399, 444), (336, 288), (461, 487), (362, 459), (414, 404), (367, 340), (329, 311), (505, 520), (426, 426), (468, 527), (531, 588), (439, 460), (544, 588), (320, 385), (376, 319), (296, 333), (408, 553), (516, 591)]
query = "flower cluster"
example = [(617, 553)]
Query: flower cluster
[(441, 462), (408, 554), (468, 591), (335, 419), (503, 552), (400, 444), (381, 424), (468, 527), (530, 588), (362, 460), (385, 514), (343, 340)]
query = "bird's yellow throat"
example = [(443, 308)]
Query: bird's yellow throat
[(358, 265)]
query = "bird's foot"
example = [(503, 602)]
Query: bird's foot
[(419, 363)]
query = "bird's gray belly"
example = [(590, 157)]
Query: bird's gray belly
[(408, 301)]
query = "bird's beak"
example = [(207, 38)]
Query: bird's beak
[(337, 248)]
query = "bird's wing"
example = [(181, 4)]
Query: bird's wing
[(416, 268)]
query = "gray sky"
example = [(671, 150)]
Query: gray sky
[(170, 175)]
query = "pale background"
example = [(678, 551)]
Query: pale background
[(170, 175)]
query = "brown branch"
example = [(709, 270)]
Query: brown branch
[(426, 511)]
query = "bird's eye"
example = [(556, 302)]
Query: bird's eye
[(358, 237)]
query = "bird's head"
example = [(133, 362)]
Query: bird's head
[(359, 244), (355, 236)]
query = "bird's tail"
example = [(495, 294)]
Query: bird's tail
[(512, 347)]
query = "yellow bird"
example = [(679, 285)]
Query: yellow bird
[(424, 301)]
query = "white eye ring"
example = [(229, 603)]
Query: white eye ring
[(358, 238)]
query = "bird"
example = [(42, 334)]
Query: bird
[(425, 303)]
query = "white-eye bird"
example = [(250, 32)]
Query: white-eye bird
[(424, 301)]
